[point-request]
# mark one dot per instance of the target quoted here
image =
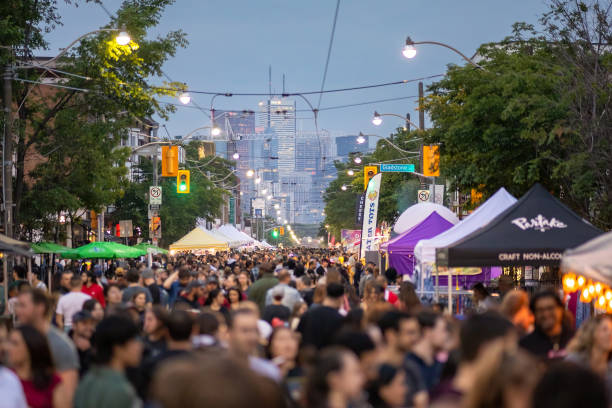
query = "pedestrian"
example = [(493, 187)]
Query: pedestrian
[(83, 326), (70, 303), (155, 331), (91, 287), (319, 325), (157, 293), (192, 295), (388, 389), (258, 290), (335, 379), (112, 293), (29, 355), (592, 347), (216, 302), (515, 307), (296, 315), (34, 309), (550, 336), (234, 297), (276, 310), (117, 348), (96, 310), (176, 282), (135, 286), (432, 339), (290, 295), (482, 299)]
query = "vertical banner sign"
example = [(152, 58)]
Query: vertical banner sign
[(431, 161), (232, 210), (370, 212), (360, 205)]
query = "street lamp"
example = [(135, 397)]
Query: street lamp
[(185, 98), (250, 173), (215, 131), (276, 206), (270, 197), (399, 149), (123, 38), (376, 120), (258, 180), (343, 188), (410, 52), (235, 156), (350, 173), (357, 160)]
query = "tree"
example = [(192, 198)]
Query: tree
[(539, 112), (210, 182), (77, 128), (398, 190)]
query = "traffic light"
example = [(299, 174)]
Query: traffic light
[(182, 182), (170, 161), (281, 230), (275, 233), (368, 173), (431, 161)]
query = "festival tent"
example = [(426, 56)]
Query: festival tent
[(593, 259), (415, 214), (533, 231), (231, 242), (198, 239), (425, 250), (234, 233), (401, 248)]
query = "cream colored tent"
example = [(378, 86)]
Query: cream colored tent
[(199, 239)]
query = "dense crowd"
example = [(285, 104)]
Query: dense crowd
[(288, 328)]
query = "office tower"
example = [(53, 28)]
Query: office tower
[(277, 115)]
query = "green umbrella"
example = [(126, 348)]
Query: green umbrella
[(49, 248), (146, 247), (105, 250)]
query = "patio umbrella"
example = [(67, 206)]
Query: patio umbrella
[(104, 250), (13, 246), (49, 248), (150, 247)]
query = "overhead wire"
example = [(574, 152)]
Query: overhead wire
[(329, 50)]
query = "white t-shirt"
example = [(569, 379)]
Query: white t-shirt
[(11, 390), (69, 304)]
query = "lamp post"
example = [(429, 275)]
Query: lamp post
[(377, 119), (362, 139), (410, 51)]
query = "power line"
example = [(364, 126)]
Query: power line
[(329, 50)]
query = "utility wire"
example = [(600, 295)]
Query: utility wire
[(329, 50)]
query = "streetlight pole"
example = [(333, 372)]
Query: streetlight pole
[(7, 152), (410, 52)]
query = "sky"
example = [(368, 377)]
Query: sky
[(232, 44)]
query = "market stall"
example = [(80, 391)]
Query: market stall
[(401, 248), (197, 240), (415, 214), (535, 231)]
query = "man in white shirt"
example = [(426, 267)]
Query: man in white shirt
[(70, 303)]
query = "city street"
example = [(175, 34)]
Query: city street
[(321, 204)]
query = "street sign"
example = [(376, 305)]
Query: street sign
[(155, 195), (155, 228), (126, 229), (438, 197), (423, 196), (396, 168)]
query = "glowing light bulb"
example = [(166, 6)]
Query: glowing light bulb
[(185, 98), (123, 38), (409, 51)]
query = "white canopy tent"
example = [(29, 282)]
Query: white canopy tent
[(417, 213), (592, 259), (425, 250), (231, 242), (231, 231)]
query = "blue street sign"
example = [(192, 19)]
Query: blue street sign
[(396, 168)]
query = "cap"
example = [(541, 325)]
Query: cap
[(148, 274), (195, 284), (212, 279), (81, 316)]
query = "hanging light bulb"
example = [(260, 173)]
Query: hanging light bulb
[(569, 283), (123, 38), (598, 288), (585, 296), (185, 98), (581, 281), (601, 302), (409, 51)]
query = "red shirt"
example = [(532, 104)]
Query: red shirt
[(37, 398), (390, 297), (96, 292)]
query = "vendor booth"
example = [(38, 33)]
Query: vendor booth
[(415, 214), (593, 259), (401, 248), (197, 240), (535, 231)]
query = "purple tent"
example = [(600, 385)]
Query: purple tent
[(401, 248)]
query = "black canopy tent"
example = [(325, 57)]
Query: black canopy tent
[(534, 231)]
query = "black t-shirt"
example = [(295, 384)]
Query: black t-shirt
[(155, 293), (308, 296), (318, 326), (280, 311), (539, 344)]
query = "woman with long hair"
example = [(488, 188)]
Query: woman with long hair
[(234, 297), (155, 329), (388, 389), (216, 300), (335, 379), (515, 307), (244, 281), (591, 347), (30, 357), (95, 308)]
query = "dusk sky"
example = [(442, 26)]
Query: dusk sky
[(232, 43)]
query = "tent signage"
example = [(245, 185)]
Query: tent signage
[(539, 223)]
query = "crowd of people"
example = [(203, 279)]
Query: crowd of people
[(305, 328)]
